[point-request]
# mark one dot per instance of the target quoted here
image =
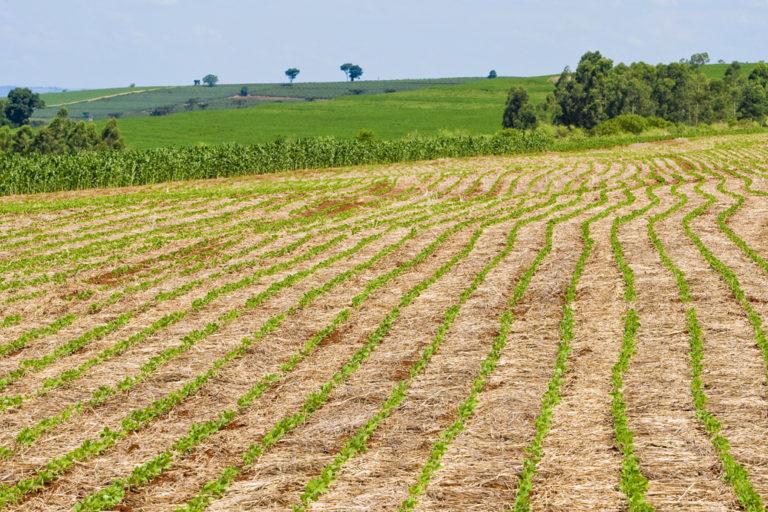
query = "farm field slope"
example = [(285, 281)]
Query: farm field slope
[(140, 101), (472, 107), (577, 331)]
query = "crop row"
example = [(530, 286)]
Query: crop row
[(735, 473), (157, 465), (24, 175), (316, 400), (21, 486), (357, 443)]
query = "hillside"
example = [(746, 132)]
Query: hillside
[(140, 101), (472, 107), (389, 108)]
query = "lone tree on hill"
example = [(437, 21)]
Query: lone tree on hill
[(519, 113), (492, 74), (345, 68), (210, 80), (699, 59), (292, 73), (20, 105), (353, 71)]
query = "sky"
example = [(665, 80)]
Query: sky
[(112, 43)]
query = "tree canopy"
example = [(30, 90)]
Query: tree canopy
[(210, 80), (353, 71), (678, 92), (62, 136), (292, 73), (519, 113), (20, 105)]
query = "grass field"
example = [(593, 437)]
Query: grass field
[(101, 103), (389, 108), (56, 100), (474, 107), (550, 332)]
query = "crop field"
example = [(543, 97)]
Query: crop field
[(139, 101), (472, 108), (580, 331)]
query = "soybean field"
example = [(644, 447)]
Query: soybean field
[(579, 332)]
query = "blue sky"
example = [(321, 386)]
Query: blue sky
[(99, 43)]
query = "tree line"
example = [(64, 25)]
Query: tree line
[(62, 136), (678, 92)]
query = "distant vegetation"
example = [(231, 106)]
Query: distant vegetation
[(60, 99), (519, 113), (210, 80), (391, 109), (62, 136), (18, 107), (292, 73), (678, 93), (21, 174), (353, 71), (140, 101)]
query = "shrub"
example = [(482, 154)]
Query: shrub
[(625, 123), (165, 110), (6, 136), (365, 135), (519, 113)]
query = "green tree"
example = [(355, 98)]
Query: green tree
[(244, 91), (3, 120), (699, 59), (355, 72), (292, 73), (732, 72), (210, 80), (345, 68), (82, 136), (581, 94), (20, 105), (492, 74), (46, 141), (6, 137), (22, 140), (753, 104), (759, 75), (111, 138), (628, 91), (519, 113)]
